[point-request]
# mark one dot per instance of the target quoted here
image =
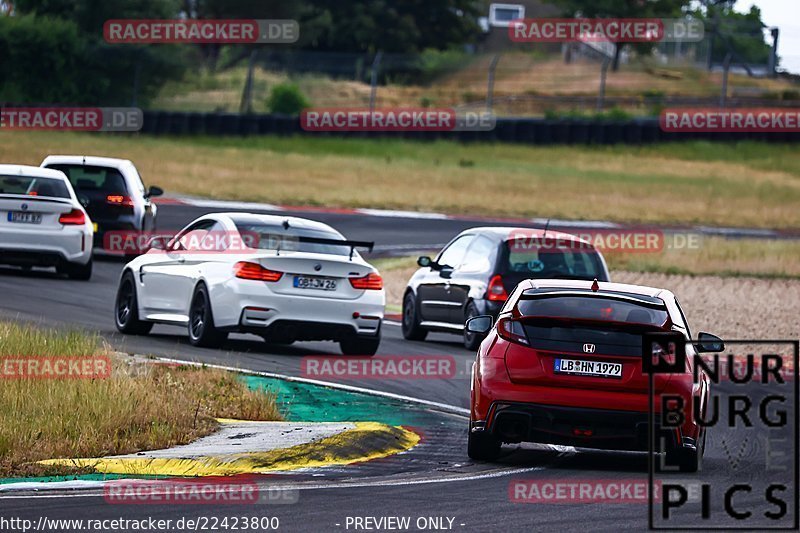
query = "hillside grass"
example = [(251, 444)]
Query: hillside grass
[(730, 184), (463, 81)]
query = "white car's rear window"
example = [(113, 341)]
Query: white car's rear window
[(270, 237), (34, 186)]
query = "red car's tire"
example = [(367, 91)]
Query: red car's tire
[(482, 446), (688, 460)]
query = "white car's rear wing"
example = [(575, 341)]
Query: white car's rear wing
[(336, 242)]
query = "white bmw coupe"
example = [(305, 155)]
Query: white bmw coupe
[(42, 223), (285, 279)]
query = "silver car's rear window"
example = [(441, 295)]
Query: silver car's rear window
[(34, 186)]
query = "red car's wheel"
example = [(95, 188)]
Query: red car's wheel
[(482, 446)]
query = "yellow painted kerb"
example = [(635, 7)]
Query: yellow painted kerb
[(366, 441)]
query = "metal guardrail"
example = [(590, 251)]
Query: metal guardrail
[(511, 130)]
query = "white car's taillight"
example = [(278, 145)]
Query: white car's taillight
[(372, 281), (76, 217), (254, 271)]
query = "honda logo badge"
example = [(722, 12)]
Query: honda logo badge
[(588, 348)]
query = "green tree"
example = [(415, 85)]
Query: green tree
[(238, 9), (392, 26), (36, 51), (286, 98), (90, 15), (622, 9), (740, 34), (86, 69)]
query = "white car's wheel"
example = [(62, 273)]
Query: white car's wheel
[(356, 345), (126, 309), (202, 331)]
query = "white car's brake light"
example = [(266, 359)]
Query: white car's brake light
[(73, 218), (372, 281), (254, 271)]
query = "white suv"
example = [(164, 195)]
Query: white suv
[(112, 192)]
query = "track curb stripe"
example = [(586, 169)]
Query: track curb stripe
[(367, 441), (436, 406)]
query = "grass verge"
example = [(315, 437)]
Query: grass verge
[(731, 184), (717, 256), (138, 407)]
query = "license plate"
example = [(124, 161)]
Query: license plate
[(25, 218), (321, 284), (587, 368)]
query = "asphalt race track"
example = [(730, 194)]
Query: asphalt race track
[(434, 480)]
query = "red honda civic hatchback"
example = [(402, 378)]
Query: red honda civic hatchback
[(563, 365)]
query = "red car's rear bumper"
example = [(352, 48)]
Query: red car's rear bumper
[(590, 418)]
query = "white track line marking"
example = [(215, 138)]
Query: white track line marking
[(361, 484), (227, 204)]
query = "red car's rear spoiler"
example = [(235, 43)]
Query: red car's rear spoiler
[(666, 326)]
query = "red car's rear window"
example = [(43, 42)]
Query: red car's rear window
[(593, 308)]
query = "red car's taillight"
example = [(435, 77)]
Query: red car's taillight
[(76, 217), (496, 292), (120, 200), (512, 331), (254, 271), (371, 281)]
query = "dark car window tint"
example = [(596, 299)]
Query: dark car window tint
[(34, 186), (479, 256), (578, 263), (683, 316), (608, 340), (89, 179), (453, 254), (269, 237), (593, 308), (191, 238)]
